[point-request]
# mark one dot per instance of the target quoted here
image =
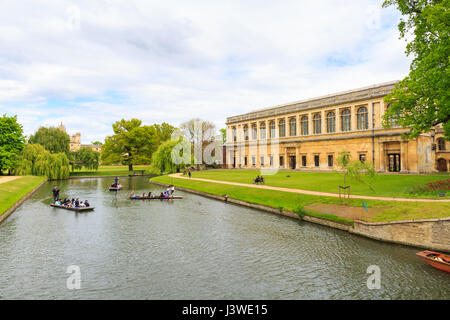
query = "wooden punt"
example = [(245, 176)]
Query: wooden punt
[(155, 198), (73, 208), (119, 187), (437, 260)]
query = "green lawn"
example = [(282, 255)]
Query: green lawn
[(389, 210), (388, 185), (13, 191), (110, 171)]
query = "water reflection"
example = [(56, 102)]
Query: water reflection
[(194, 248)]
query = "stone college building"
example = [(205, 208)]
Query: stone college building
[(309, 135)]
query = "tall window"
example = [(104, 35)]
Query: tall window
[(281, 129), (246, 132), (362, 119), (254, 131), (233, 133), (441, 144), (330, 160), (272, 129), (292, 127), (393, 120), (262, 130), (331, 122), (346, 120), (317, 124), (304, 126)]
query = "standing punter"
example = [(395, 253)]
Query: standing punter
[(55, 193)]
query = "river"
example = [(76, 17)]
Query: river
[(194, 248)]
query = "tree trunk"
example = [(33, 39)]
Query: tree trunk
[(130, 167)]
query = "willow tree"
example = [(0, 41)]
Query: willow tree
[(85, 157), (172, 155), (36, 160)]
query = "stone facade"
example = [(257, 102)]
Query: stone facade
[(309, 135), (75, 141)]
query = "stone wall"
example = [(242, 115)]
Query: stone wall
[(433, 234)]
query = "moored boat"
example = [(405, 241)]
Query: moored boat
[(73, 208), (117, 188), (437, 260), (155, 198)]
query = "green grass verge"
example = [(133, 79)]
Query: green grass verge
[(13, 191), (384, 185), (390, 211)]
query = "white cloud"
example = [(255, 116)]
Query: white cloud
[(89, 63)]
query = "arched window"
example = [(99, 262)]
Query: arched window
[(362, 118), (393, 120), (246, 132), (331, 122), (292, 127), (346, 120), (254, 131), (262, 130), (317, 123), (233, 133), (281, 129), (272, 129), (441, 144), (304, 125)]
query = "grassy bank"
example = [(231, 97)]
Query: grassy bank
[(13, 191), (384, 185), (110, 171), (384, 210)]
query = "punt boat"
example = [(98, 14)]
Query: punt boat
[(154, 198), (73, 208), (438, 260), (119, 187)]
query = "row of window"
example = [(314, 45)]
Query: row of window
[(361, 116), (362, 123), (362, 158), (441, 144)]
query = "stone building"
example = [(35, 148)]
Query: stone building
[(75, 141), (310, 134)]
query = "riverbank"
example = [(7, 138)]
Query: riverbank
[(15, 191), (399, 220)]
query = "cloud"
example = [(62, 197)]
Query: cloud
[(90, 63)]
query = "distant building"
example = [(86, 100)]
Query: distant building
[(75, 141), (309, 134)]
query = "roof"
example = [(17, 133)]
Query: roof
[(377, 90)]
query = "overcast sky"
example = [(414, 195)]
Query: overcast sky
[(90, 63)]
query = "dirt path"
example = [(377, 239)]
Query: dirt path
[(313, 193), (8, 178)]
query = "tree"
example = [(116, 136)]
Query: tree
[(422, 99), (169, 156), (133, 143), (11, 141), (85, 157), (52, 139), (223, 132), (36, 160), (356, 170), (200, 133)]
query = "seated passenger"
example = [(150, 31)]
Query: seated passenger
[(77, 203), (86, 203), (161, 195), (149, 195)]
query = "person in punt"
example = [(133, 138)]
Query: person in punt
[(86, 203), (77, 203), (149, 195), (132, 195)]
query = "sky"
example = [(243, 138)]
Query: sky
[(91, 63)]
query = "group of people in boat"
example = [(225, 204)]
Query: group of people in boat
[(163, 195), (259, 179), (72, 203)]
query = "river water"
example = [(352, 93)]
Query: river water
[(195, 248)]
